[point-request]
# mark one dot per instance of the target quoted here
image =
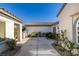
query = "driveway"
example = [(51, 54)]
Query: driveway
[(37, 47)]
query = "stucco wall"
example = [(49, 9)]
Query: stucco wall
[(2, 29), (45, 29), (66, 19), (9, 27), (9, 31), (57, 28)]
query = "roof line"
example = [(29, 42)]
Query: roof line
[(61, 9), (46, 24), (9, 14)]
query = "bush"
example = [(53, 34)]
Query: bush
[(53, 36), (11, 44), (29, 35), (39, 34), (2, 39), (43, 35), (33, 34), (70, 45), (49, 35)]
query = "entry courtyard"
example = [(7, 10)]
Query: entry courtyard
[(39, 46)]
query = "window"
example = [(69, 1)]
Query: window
[(57, 27), (54, 29), (2, 31)]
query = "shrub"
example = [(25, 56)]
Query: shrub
[(11, 44), (70, 45), (53, 36), (39, 34), (29, 35), (33, 34), (43, 35), (2, 39), (49, 35)]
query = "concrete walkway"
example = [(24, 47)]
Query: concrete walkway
[(37, 47)]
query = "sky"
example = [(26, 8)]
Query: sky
[(34, 12)]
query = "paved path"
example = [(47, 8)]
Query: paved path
[(37, 47)]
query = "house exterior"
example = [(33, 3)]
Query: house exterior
[(69, 21), (42, 27), (10, 28)]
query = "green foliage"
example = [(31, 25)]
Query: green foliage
[(11, 43), (2, 39), (23, 28), (39, 34), (53, 36), (29, 35), (70, 45), (49, 35), (33, 34)]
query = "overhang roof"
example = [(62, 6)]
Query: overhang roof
[(61, 9), (5, 12), (42, 23)]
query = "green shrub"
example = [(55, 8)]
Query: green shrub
[(43, 34), (39, 34), (70, 45), (11, 44), (2, 39), (29, 35), (49, 35), (33, 34), (53, 36)]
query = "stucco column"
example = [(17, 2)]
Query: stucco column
[(9, 29), (20, 32)]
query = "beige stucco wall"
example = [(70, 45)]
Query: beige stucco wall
[(9, 31), (2, 29), (66, 19), (44, 29), (9, 27), (57, 30)]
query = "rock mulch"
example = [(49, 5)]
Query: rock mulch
[(62, 51)]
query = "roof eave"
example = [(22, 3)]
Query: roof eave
[(9, 14), (61, 9)]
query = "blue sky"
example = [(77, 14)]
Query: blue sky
[(34, 12)]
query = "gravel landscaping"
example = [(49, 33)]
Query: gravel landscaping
[(62, 51)]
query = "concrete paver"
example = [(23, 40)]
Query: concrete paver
[(37, 47)]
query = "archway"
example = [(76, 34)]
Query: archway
[(76, 31)]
